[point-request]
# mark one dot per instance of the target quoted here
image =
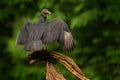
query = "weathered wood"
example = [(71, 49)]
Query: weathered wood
[(51, 73)]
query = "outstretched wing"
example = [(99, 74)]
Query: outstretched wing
[(57, 30), (66, 38), (35, 32), (23, 34), (51, 32)]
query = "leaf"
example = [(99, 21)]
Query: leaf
[(79, 8), (84, 18)]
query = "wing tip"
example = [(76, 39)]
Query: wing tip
[(69, 49)]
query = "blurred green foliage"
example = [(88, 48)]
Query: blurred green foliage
[(95, 25)]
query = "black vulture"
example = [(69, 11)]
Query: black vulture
[(35, 35)]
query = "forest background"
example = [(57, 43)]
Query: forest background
[(95, 25)]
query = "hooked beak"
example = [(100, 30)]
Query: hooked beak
[(48, 12)]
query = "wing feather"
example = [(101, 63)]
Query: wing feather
[(34, 45), (34, 36), (35, 31), (68, 41), (51, 33), (57, 30), (23, 34)]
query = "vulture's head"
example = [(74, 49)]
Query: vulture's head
[(44, 12)]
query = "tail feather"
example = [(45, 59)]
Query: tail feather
[(34, 46)]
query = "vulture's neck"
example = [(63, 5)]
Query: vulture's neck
[(42, 18)]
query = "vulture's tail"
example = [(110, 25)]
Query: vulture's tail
[(34, 46)]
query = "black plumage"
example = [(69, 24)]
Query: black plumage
[(35, 35)]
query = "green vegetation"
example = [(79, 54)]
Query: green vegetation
[(95, 25)]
